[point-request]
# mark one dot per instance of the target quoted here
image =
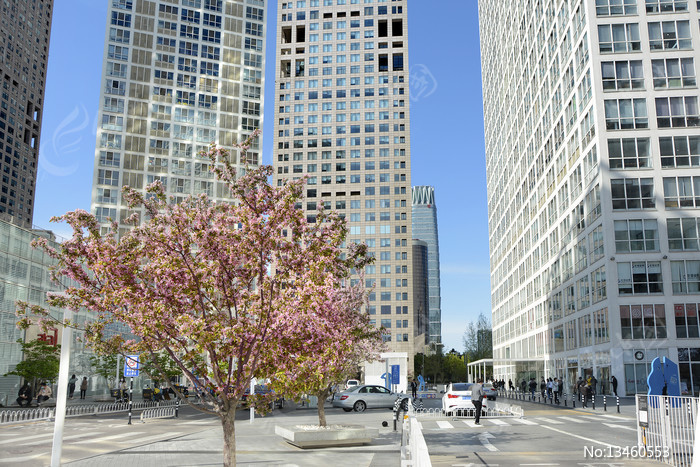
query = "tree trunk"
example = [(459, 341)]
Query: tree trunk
[(322, 395), (228, 424)]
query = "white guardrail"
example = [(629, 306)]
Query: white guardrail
[(414, 450), (30, 415), (666, 428), (158, 412)]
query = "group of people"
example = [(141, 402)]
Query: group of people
[(25, 396)]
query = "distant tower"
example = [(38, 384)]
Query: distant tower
[(425, 228), (25, 29), (420, 294)]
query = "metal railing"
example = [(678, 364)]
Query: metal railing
[(489, 410), (670, 427), (30, 415), (159, 412), (414, 450)]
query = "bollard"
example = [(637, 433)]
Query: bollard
[(177, 407), (593, 401), (618, 403), (605, 404), (573, 401)]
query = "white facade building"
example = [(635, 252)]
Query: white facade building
[(177, 76), (342, 118), (593, 147)]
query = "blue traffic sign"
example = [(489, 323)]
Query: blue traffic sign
[(131, 366)]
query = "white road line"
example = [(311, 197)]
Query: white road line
[(552, 421), (444, 425), (107, 438), (199, 422), (612, 425), (618, 417), (25, 438), (470, 423), (65, 438), (572, 419), (591, 417), (161, 437), (590, 440), (524, 421), (12, 460), (484, 438), (496, 421)]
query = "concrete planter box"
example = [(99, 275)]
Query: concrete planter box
[(305, 436)]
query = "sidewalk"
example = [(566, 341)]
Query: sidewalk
[(257, 444), (627, 404)]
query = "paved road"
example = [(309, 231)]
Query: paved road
[(546, 436), (194, 439)]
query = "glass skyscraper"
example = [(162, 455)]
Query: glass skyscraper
[(592, 149), (425, 228), (177, 76)]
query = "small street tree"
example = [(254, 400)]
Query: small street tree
[(40, 363), (106, 366), (477, 339), (335, 337), (213, 285)]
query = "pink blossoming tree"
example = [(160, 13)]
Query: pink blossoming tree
[(230, 291)]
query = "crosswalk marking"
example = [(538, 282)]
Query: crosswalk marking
[(612, 425), (107, 438), (444, 424), (65, 438), (591, 417), (25, 438), (470, 423), (524, 421), (497, 421), (551, 421), (571, 419)]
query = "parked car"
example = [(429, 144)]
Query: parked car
[(457, 398), (368, 396), (351, 383), (490, 391)]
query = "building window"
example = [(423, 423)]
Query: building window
[(673, 73), (632, 193), (683, 233), (636, 235), (674, 112), (685, 277), (689, 370), (599, 291), (666, 6), (686, 321), (682, 192), (601, 330), (639, 277), (615, 38), (626, 114), (615, 7), (679, 151), (622, 75), (669, 35), (643, 321), (629, 153)]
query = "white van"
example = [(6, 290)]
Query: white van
[(351, 383)]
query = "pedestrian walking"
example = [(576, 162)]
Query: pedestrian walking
[(44, 394), (477, 398), (550, 389), (523, 386), (83, 387), (555, 390), (543, 388), (71, 386), (533, 388), (414, 388), (614, 385), (24, 396), (510, 384)]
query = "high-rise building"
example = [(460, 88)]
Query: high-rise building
[(25, 30), (425, 228), (177, 76), (420, 294), (342, 119), (592, 148)]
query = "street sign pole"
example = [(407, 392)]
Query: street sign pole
[(131, 402), (131, 369), (61, 392)]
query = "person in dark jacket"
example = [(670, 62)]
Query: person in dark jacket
[(24, 397), (614, 385), (477, 399)]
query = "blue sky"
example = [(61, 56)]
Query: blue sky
[(447, 143)]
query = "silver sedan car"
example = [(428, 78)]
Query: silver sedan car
[(367, 396)]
